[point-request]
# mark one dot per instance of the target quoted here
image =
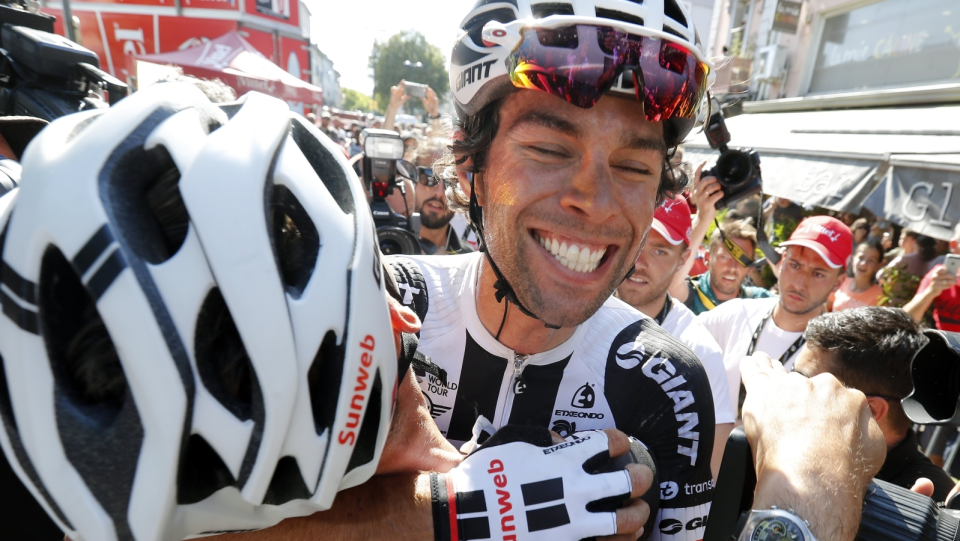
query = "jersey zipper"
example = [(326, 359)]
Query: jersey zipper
[(519, 362)]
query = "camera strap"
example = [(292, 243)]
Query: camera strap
[(735, 250)]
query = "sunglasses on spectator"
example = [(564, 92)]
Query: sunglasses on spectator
[(425, 177)]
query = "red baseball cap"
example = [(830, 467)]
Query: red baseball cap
[(672, 220), (827, 236)]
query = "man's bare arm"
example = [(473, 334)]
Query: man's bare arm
[(816, 446), (386, 507)]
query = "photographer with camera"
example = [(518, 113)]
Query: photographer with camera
[(811, 270), (437, 236), (871, 349)]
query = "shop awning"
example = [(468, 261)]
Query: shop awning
[(896, 162), (238, 64)]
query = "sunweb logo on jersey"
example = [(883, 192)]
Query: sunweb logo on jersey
[(584, 398)]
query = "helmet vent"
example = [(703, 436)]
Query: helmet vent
[(222, 360), (84, 361), (672, 10), (367, 437), (150, 210), (330, 171), (201, 472), (671, 31), (295, 240), (503, 15), (619, 16), (541, 11), (287, 483), (323, 379)]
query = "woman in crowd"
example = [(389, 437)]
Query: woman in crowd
[(901, 277), (862, 289)]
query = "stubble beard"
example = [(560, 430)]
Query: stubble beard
[(509, 249)]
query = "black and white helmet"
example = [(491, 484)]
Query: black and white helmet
[(479, 72), (195, 335)]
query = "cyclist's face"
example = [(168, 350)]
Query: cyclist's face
[(568, 195)]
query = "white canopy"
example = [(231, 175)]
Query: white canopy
[(902, 163)]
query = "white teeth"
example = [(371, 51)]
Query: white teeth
[(573, 257), (585, 256)]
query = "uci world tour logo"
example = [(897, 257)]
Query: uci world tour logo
[(630, 355)]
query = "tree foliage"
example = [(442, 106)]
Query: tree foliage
[(354, 100), (388, 64)]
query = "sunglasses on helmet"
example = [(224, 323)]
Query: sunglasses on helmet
[(581, 62)]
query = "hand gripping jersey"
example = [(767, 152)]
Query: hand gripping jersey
[(619, 369)]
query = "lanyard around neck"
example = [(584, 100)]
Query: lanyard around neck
[(797, 344)]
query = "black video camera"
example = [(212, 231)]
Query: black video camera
[(47, 76), (890, 512), (382, 161), (738, 170)]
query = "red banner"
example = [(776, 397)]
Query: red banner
[(230, 5), (128, 35), (295, 58), (178, 33)]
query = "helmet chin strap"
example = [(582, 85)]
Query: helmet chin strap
[(503, 288)]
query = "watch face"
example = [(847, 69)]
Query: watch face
[(776, 529)]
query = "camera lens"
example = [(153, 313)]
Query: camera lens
[(733, 168), (397, 241)]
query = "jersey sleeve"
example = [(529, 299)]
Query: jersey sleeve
[(659, 393)]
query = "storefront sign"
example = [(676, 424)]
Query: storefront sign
[(894, 43), (786, 18)]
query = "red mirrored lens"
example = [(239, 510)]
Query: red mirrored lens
[(580, 63)]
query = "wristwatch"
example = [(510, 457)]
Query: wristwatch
[(775, 525)]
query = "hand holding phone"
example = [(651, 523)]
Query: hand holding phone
[(952, 263), (415, 90)]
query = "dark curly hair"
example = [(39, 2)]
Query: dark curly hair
[(477, 135)]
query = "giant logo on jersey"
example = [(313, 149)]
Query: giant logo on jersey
[(644, 345), (630, 355)]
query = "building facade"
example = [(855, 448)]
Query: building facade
[(789, 49), (324, 76), (118, 29)]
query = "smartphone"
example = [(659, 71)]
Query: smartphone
[(952, 262), (416, 90)]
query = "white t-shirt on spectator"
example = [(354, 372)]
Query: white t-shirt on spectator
[(683, 325), (732, 325)]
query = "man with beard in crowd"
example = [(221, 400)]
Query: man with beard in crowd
[(724, 280), (664, 254), (813, 267), (436, 234)]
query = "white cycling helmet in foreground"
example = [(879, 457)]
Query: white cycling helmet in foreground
[(195, 335), (579, 50)]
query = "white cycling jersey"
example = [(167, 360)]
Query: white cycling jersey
[(619, 369)]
